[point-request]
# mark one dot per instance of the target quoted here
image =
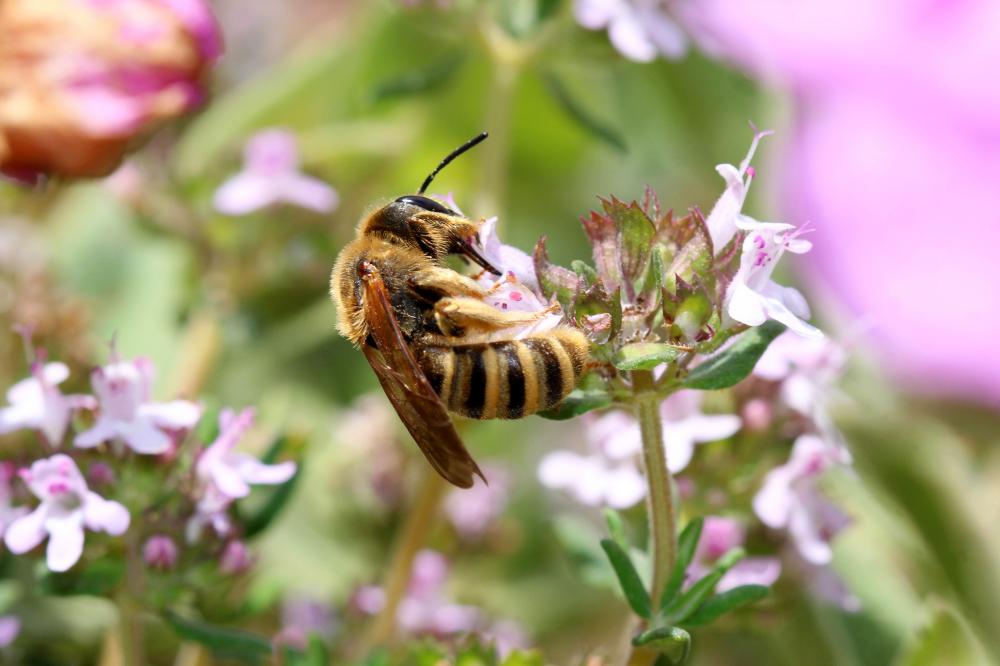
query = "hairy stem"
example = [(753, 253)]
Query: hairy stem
[(410, 540), (662, 518)]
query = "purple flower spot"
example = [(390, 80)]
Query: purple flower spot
[(759, 241), (516, 296), (58, 488)]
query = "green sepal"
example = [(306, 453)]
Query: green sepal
[(671, 642), (725, 602), (731, 366), (645, 355), (628, 578), (554, 280)]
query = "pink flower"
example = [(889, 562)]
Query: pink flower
[(472, 512), (593, 479), (753, 297), (96, 74), (425, 609), (507, 258), (894, 157), (8, 513), (160, 552), (225, 475), (728, 209), (124, 389), (720, 535), (36, 403), (790, 499), (270, 176), (302, 618), (639, 29), (67, 506)]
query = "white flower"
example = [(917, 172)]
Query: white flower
[(67, 508), (271, 175), (36, 403), (593, 479), (790, 499), (638, 29), (124, 391), (753, 297), (722, 221), (225, 475)]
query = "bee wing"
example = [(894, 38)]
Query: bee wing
[(418, 406)]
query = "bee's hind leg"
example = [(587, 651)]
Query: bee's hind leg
[(472, 313)]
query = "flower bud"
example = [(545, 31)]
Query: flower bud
[(80, 80), (160, 552), (235, 558)]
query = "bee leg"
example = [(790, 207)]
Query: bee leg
[(458, 312), (446, 281)]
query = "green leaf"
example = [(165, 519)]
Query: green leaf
[(628, 578), (732, 365), (259, 521), (687, 542), (554, 280), (223, 641), (579, 401), (583, 117), (616, 527), (635, 237), (585, 272), (672, 642), (645, 355), (723, 603), (420, 80), (694, 256), (686, 604)]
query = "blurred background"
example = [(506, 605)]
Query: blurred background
[(887, 120)]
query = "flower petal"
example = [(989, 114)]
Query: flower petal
[(244, 193), (176, 415), (773, 502), (102, 431), (26, 532), (751, 571), (254, 471), (779, 311), (309, 192), (713, 426), (629, 37), (808, 536), (625, 487), (65, 541), (746, 305), (104, 515), (143, 437)]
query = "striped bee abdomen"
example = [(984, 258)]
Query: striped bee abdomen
[(506, 379)]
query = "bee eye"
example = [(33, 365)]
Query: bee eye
[(426, 203)]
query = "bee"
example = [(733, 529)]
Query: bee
[(434, 343)]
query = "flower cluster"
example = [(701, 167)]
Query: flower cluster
[(127, 425)]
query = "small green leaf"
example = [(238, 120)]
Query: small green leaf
[(554, 280), (635, 237), (732, 365), (579, 401), (233, 643), (585, 272), (628, 578), (616, 528), (687, 542), (645, 355), (694, 256), (419, 80), (583, 117), (695, 596), (673, 643), (723, 603)]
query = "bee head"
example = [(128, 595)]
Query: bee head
[(430, 226)]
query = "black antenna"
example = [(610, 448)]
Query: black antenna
[(471, 143)]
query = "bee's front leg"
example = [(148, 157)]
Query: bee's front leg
[(455, 313), (446, 282)]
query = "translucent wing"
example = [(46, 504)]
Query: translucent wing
[(419, 407)]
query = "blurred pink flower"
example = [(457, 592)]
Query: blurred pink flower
[(303, 618), (96, 75), (895, 158), (791, 499), (36, 403), (8, 513), (720, 535), (160, 552), (10, 627), (639, 29), (124, 389), (593, 479), (473, 511), (67, 506), (225, 475), (271, 175)]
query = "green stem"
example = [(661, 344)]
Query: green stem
[(130, 606), (411, 539), (662, 518)]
